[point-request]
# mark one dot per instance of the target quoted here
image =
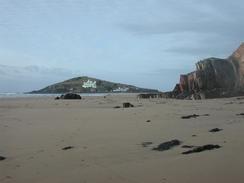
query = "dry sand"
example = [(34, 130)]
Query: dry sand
[(107, 141)]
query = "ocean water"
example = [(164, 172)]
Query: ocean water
[(24, 95)]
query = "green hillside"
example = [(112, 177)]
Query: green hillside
[(90, 85)]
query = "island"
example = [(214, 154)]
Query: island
[(87, 84)]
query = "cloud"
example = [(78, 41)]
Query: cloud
[(23, 79), (197, 27), (203, 51), (229, 28), (36, 71), (208, 18)]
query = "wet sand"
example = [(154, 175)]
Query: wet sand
[(90, 141)]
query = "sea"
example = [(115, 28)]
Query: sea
[(25, 95)]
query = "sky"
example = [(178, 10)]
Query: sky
[(147, 43)]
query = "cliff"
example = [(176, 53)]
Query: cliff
[(237, 59), (213, 78)]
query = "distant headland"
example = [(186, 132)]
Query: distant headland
[(86, 84)]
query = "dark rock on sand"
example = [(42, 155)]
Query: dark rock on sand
[(215, 130), (57, 98), (167, 145), (193, 116), (70, 96), (2, 158), (127, 105), (68, 147), (241, 114), (202, 148), (148, 121), (117, 107), (190, 116)]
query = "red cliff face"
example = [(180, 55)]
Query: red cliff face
[(237, 58), (239, 53), (214, 78), (183, 83)]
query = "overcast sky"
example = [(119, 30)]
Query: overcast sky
[(147, 43)]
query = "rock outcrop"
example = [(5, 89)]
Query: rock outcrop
[(150, 95), (127, 105), (237, 59), (213, 78), (70, 96)]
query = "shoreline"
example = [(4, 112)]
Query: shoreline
[(26, 95)]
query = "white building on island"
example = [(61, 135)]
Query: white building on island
[(119, 89), (89, 84)]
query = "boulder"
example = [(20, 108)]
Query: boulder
[(127, 105), (70, 96)]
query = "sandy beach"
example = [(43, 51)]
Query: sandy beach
[(114, 145)]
